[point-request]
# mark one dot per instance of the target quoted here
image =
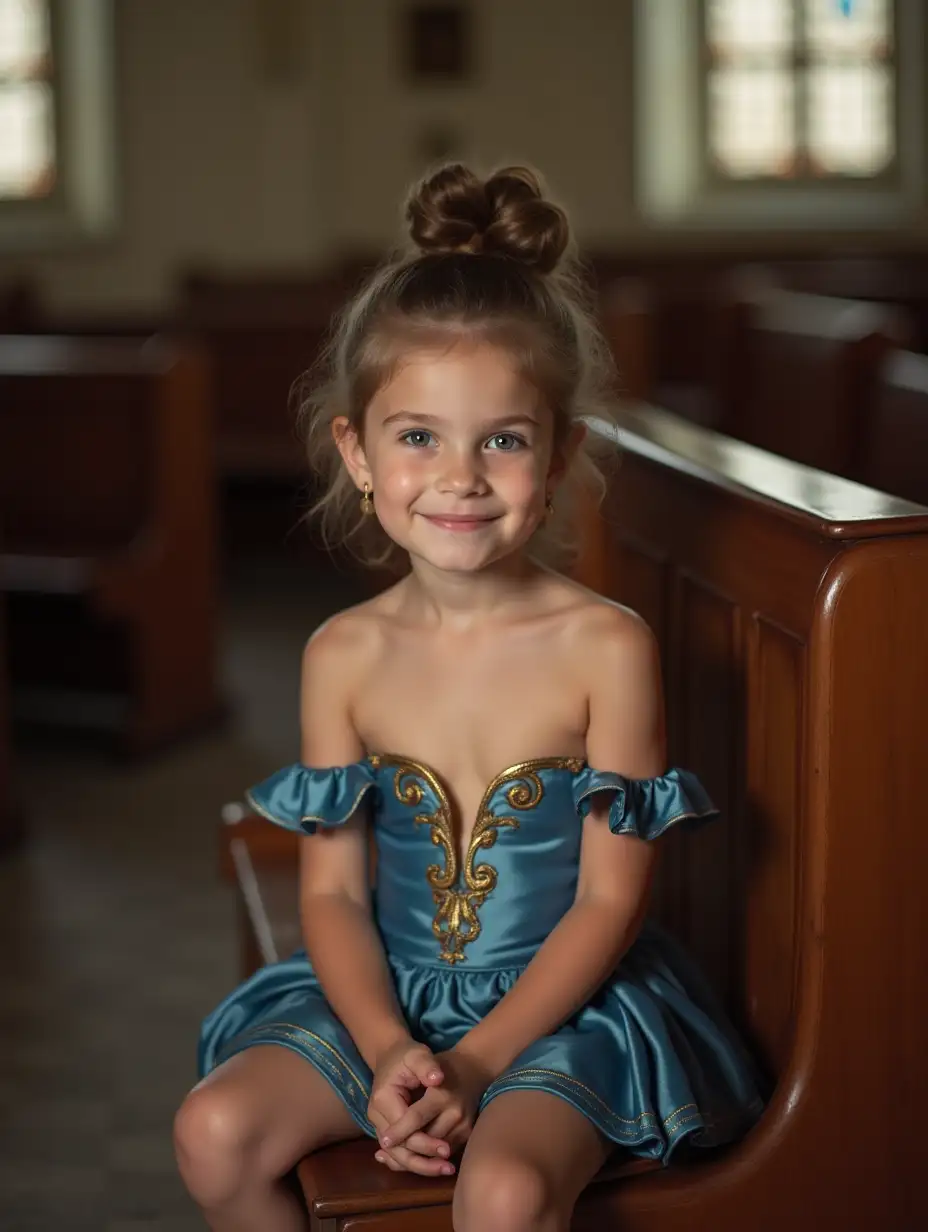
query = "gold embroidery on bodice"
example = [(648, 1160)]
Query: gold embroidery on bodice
[(456, 923)]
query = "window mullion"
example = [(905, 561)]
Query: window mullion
[(801, 121)]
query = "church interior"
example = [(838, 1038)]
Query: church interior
[(189, 193)]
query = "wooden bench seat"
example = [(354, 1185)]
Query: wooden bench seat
[(109, 553), (789, 606)]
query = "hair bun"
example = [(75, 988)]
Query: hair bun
[(453, 210)]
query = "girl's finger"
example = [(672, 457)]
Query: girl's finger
[(445, 1128), (421, 1060), (389, 1104), (428, 1144), (413, 1118), (409, 1161)]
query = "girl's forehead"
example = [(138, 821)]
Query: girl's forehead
[(461, 370)]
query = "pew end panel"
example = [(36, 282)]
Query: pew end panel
[(788, 604)]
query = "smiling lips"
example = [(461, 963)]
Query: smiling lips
[(458, 521)]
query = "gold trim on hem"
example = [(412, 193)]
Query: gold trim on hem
[(528, 1071)]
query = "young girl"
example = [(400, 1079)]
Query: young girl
[(499, 728)]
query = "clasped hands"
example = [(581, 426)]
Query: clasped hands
[(423, 1106)]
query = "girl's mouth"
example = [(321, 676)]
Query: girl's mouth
[(458, 521)]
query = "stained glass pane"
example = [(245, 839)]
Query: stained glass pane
[(24, 38), (736, 27), (850, 119), (751, 121), (862, 28), (26, 140)]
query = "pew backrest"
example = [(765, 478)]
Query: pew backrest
[(895, 453), (803, 373), (94, 435)]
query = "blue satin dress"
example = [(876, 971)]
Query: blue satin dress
[(650, 1059)]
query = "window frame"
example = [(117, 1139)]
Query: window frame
[(675, 183), (889, 176), (53, 80), (82, 204)]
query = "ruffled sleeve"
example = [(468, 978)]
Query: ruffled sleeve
[(300, 798), (646, 807)]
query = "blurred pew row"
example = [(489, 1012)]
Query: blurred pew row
[(826, 381), (118, 434)]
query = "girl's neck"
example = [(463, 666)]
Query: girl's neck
[(463, 602)]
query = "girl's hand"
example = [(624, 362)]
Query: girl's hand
[(447, 1110), (403, 1070)]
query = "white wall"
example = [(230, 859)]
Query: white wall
[(219, 164), (224, 163)]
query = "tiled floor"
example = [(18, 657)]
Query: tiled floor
[(118, 936)]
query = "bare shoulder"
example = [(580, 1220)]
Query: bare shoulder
[(605, 628), (346, 644), (337, 660), (616, 655), (596, 626)]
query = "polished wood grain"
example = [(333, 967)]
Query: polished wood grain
[(107, 492), (795, 663)]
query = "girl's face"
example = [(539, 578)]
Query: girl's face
[(458, 449)]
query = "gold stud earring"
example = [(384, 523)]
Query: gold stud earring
[(367, 501)]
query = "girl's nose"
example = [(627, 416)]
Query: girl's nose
[(462, 475)]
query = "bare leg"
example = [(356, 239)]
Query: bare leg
[(244, 1127), (528, 1159)]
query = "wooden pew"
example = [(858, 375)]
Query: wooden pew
[(675, 340), (894, 457), (802, 373), (627, 317), (898, 278), (262, 335), (790, 609), (11, 827), (108, 506)]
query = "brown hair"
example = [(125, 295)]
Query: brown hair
[(490, 259)]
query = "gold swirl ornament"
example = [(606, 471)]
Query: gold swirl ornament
[(456, 923)]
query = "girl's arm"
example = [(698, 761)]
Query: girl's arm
[(625, 734), (335, 905)]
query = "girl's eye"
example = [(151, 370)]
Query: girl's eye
[(507, 442), (417, 437)]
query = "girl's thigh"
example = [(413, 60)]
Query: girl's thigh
[(530, 1153), (264, 1108)]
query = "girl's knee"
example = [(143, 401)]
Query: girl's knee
[(214, 1142), (502, 1195)]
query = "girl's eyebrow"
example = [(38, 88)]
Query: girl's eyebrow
[(503, 420)]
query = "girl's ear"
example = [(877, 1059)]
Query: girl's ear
[(564, 454), (349, 446)]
